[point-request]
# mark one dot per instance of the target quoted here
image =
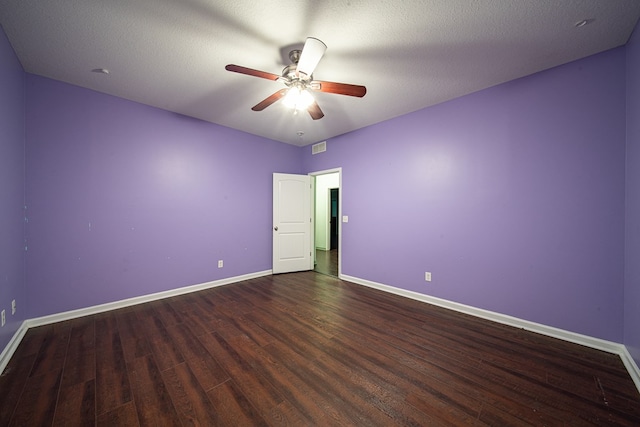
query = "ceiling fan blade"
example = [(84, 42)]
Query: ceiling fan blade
[(340, 88), (269, 100), (251, 72), (315, 111), (311, 54)]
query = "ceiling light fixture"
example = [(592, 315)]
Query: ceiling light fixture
[(299, 82), (297, 98), (100, 71)]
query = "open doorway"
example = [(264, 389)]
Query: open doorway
[(327, 225), (334, 198)]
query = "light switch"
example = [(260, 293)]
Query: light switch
[(345, 218)]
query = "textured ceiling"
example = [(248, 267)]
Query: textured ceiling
[(171, 54)]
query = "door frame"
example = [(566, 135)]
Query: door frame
[(313, 212)]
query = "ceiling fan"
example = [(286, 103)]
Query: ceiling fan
[(298, 79)]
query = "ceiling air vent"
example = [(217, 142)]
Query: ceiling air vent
[(320, 147)]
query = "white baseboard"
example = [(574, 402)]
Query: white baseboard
[(11, 347), (73, 314), (631, 366), (596, 343), (67, 315)]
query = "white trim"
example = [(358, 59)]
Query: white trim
[(596, 343), (12, 346), (68, 315), (337, 170), (73, 314), (631, 366), (326, 171)]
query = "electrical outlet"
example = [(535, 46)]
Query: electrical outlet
[(13, 307), (427, 276), (220, 263), (4, 319)]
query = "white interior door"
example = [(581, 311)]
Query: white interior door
[(291, 223)]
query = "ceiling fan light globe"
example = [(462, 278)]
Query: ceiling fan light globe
[(290, 98), (305, 99), (298, 99)]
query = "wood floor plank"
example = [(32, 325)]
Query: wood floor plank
[(12, 384), (206, 368), (124, 415), (188, 397), (76, 405), (265, 392), (165, 351), (134, 337), (52, 353), (16, 374), (38, 399), (327, 262), (167, 314), (80, 363), (231, 321), (305, 389), (232, 408), (153, 402), (37, 404), (31, 343), (284, 414), (113, 388), (195, 316), (298, 367), (266, 395)]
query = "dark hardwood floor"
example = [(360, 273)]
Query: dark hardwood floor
[(327, 262), (306, 349)]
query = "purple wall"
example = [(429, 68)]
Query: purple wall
[(513, 197), (632, 249), (126, 200), (12, 283)]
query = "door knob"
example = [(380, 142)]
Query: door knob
[(275, 228)]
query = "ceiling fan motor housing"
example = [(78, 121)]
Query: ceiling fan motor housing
[(291, 76)]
